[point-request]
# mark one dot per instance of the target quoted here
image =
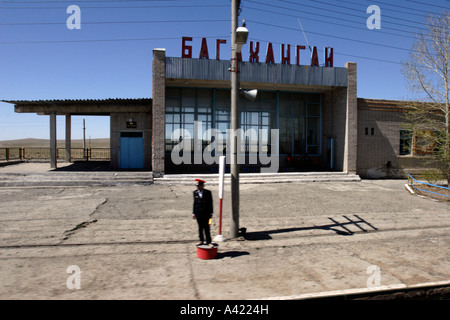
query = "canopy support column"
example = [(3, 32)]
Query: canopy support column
[(68, 138), (53, 154)]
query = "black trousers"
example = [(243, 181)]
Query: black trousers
[(203, 228)]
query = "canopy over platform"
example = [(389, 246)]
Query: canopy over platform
[(89, 107), (86, 107)]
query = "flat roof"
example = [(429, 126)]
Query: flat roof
[(82, 106)]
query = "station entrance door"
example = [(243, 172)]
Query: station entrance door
[(131, 150)]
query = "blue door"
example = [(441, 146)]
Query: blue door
[(131, 150)]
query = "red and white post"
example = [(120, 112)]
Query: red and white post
[(220, 237)]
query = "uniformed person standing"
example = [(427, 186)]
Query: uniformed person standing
[(203, 211)]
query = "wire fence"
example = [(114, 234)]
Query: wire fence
[(36, 153)]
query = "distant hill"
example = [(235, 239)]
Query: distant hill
[(43, 143)]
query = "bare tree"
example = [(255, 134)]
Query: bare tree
[(428, 74)]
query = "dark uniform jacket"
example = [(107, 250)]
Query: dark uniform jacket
[(203, 206)]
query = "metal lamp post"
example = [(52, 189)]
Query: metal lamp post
[(238, 39)]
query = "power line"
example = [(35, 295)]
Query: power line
[(159, 21), (357, 10), (355, 40), (384, 14), (331, 17), (368, 58), (103, 40), (176, 38), (398, 6), (428, 4), (112, 22), (149, 39), (331, 36), (128, 7), (385, 3), (337, 24), (346, 13), (102, 1), (339, 53)]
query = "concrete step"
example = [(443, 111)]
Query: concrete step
[(189, 179), (146, 178), (75, 179)]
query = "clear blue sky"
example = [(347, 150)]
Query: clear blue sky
[(111, 55)]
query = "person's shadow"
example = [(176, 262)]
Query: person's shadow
[(231, 254)]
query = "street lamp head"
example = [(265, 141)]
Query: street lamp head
[(241, 37)]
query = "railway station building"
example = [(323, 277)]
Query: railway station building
[(318, 121)]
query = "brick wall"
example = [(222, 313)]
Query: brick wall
[(158, 96), (379, 125)]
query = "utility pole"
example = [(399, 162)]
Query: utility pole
[(234, 166)]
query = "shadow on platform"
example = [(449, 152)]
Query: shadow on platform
[(339, 227), (231, 254), (92, 166), (85, 166)]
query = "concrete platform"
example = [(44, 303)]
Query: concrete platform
[(98, 174), (303, 240), (69, 174)]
